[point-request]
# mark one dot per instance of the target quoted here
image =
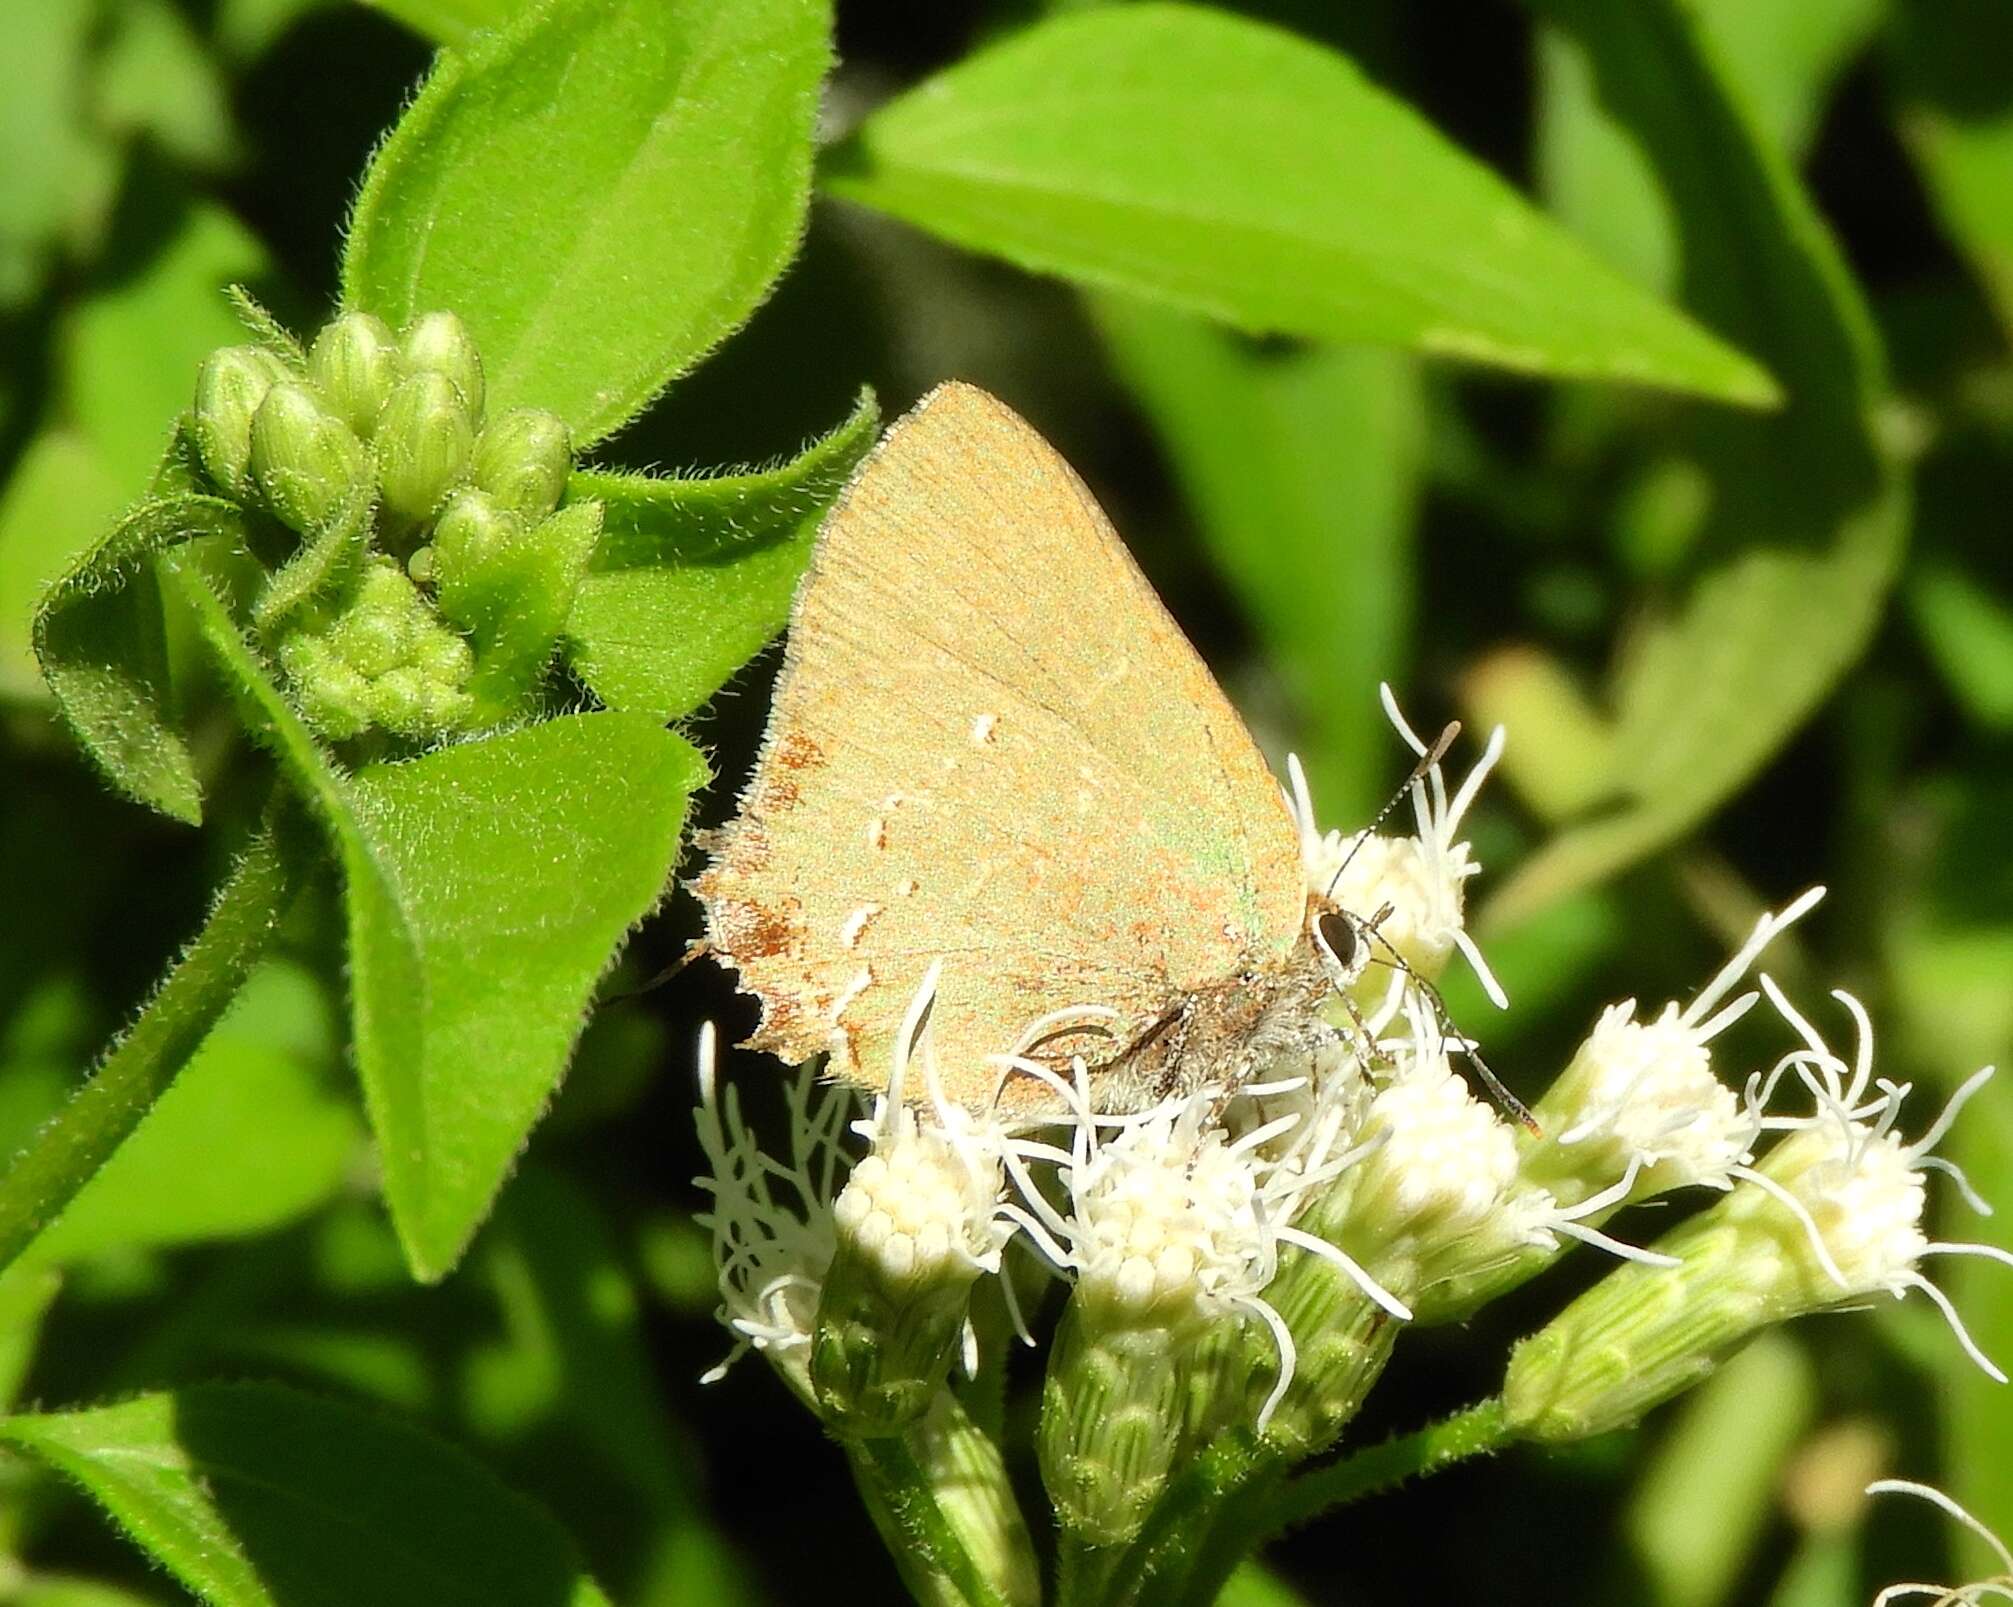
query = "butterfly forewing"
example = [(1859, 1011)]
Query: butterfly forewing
[(990, 745)]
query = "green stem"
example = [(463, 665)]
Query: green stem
[(80, 1138), (1084, 1572), (1160, 1563), (921, 1539), (1479, 1431)]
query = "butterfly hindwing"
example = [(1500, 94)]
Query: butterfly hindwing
[(991, 745)]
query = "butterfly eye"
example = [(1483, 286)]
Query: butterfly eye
[(1337, 934)]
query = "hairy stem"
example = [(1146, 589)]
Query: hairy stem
[(1478, 1431), (68, 1150)]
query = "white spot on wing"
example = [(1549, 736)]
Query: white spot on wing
[(863, 979), (906, 887), (877, 833), (982, 729), (856, 924)]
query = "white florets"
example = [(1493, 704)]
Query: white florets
[(1855, 1186), (771, 1221), (1420, 879)]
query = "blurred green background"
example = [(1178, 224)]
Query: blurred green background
[(1318, 518)]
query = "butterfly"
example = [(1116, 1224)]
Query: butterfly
[(992, 747)]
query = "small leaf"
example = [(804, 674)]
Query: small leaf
[(1808, 511), (248, 1136), (487, 887), (99, 637), (257, 1496), (1233, 169), (694, 576), (1969, 633), (1303, 469), (603, 190)]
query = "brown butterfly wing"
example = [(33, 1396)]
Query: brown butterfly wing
[(990, 745)]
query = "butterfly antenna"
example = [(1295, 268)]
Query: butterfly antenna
[(1427, 760), (698, 949), (1514, 1107)]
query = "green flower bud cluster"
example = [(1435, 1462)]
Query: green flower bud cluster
[(420, 564), (384, 662)]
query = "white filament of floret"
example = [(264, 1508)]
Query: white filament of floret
[(1948, 1595), (924, 1201), (1167, 1217), (1420, 877), (1853, 1184), (1651, 1084), (771, 1221)]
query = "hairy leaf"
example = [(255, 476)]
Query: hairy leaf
[(257, 1496), (487, 887), (603, 190), (694, 576), (98, 634)]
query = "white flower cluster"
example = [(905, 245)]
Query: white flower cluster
[(1377, 1160)]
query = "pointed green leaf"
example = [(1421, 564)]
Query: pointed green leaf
[(487, 887), (1808, 511), (1303, 469), (694, 576), (99, 637), (603, 190), (256, 1496), (1232, 169), (518, 865)]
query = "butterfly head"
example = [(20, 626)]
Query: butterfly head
[(1341, 941)]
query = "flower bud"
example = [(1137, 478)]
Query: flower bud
[(423, 443), (915, 1228), (510, 587), (1112, 1408), (522, 460), (230, 386), (306, 462), (439, 343), (354, 363), (332, 697)]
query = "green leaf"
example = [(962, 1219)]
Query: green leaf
[(56, 186), (1969, 633), (1303, 469), (487, 887), (1232, 169), (248, 1136), (694, 576), (256, 1496), (1808, 513), (603, 190), (26, 1293), (57, 501), (1957, 117), (154, 79), (103, 651), (449, 22), (1782, 57)]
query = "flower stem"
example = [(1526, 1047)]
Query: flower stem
[(1479, 1431), (82, 1136)]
